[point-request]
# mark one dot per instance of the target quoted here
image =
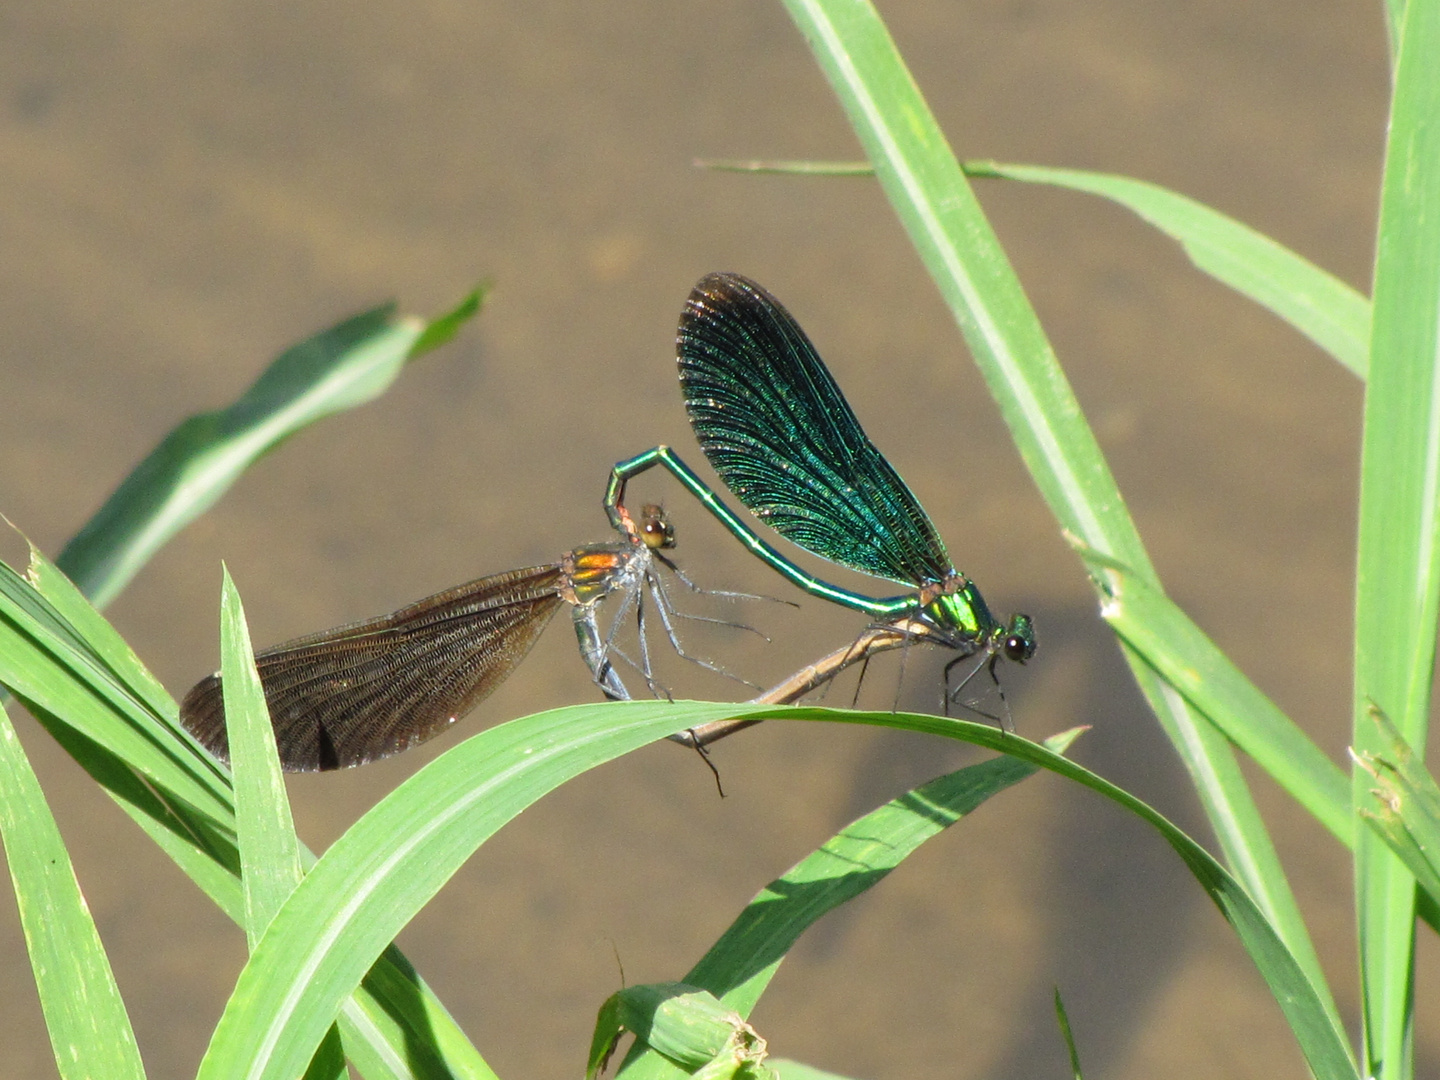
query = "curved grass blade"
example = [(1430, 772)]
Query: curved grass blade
[(394, 1026), (388, 865), (44, 661), (374, 879), (1307, 1007), (923, 181), (1398, 554), (1322, 307), (740, 965), (772, 422), (84, 1013), (342, 367)]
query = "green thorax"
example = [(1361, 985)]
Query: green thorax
[(959, 610), (960, 614)]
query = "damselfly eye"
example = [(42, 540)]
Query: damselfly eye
[(1018, 644), (655, 529)]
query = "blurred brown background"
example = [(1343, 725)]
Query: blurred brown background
[(188, 188)]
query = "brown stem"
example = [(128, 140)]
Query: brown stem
[(876, 639)]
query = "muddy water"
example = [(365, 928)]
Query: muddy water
[(189, 189)]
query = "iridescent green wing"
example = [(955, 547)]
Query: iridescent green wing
[(785, 441)]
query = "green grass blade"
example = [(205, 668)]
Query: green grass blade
[(1311, 1014), (269, 849), (687, 1027), (373, 880), (1322, 307), (1398, 579), (924, 182), (43, 660), (342, 367), (100, 637), (264, 827), (1405, 805), (416, 1035), (89, 1028), (1063, 1019), (1317, 303), (396, 1026), (389, 864), (1154, 626), (787, 168), (740, 965)]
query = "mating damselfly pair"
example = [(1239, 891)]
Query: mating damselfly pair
[(777, 430)]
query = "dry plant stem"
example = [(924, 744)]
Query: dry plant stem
[(876, 639)]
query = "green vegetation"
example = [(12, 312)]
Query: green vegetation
[(322, 967)]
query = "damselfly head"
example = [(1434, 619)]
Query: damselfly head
[(655, 528), (1018, 644)]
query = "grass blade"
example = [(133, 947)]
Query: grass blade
[(394, 1027), (374, 879), (740, 965), (687, 1027), (1322, 307), (1398, 580), (1308, 1009), (264, 828), (89, 1028), (1317, 303), (924, 182), (1154, 626), (269, 849), (44, 660), (1063, 1019), (1405, 806), (342, 367)]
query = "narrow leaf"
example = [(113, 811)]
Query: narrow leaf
[(924, 183), (394, 1026), (1155, 627), (1405, 806), (1398, 557), (89, 1028), (1322, 307), (373, 880), (740, 965), (1063, 1019), (264, 828), (342, 367)]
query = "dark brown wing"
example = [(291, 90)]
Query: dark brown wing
[(371, 689)]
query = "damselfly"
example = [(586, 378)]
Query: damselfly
[(775, 426)]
